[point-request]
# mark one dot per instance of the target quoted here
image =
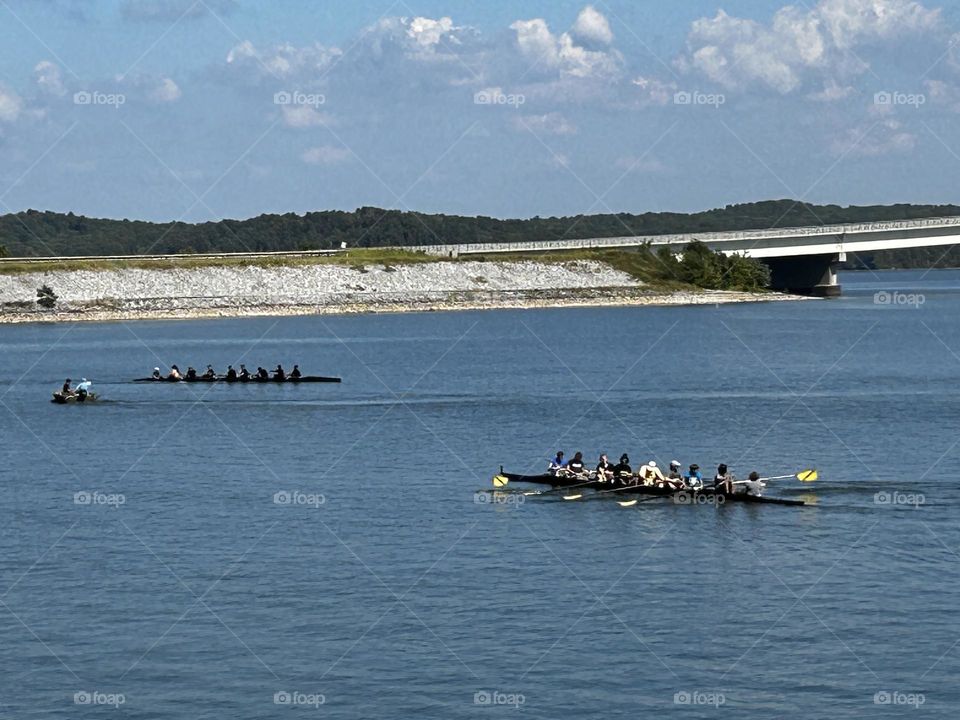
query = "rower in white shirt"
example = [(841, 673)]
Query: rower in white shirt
[(650, 474)]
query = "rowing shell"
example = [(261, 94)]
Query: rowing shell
[(294, 381), (682, 497)]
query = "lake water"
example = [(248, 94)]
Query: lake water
[(149, 568)]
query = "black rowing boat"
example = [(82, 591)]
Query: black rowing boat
[(241, 381), (618, 488)]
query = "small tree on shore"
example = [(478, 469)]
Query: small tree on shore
[(3, 251), (46, 298)]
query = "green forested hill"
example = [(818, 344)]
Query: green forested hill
[(34, 233)]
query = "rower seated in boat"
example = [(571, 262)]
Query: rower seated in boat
[(244, 373), (723, 480), (575, 466), (622, 470), (604, 469), (174, 373), (295, 373), (156, 374), (558, 464), (83, 389), (262, 373), (231, 373), (753, 485), (693, 479), (210, 373), (279, 374), (674, 479), (650, 474), (66, 390), (191, 374)]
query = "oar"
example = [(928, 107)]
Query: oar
[(802, 476), (637, 501), (558, 489), (601, 492)]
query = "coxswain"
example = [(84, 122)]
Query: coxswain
[(604, 469), (191, 374), (244, 373), (174, 373), (262, 373), (622, 470), (650, 474), (210, 373), (156, 374), (66, 390), (723, 480), (693, 479), (295, 373), (575, 466), (83, 389), (558, 464), (754, 485), (231, 373), (279, 374)]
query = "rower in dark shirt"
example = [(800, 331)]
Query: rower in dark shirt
[(723, 480), (66, 390), (295, 373), (604, 469), (191, 374), (279, 374), (622, 469), (575, 466), (210, 373), (262, 373), (244, 373), (231, 373)]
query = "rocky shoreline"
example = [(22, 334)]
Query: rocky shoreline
[(249, 291)]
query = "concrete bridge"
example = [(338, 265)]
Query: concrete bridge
[(803, 260)]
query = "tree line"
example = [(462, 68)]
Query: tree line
[(34, 233)]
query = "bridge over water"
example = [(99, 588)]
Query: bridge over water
[(803, 260)]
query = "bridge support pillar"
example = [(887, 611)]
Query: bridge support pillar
[(815, 275)]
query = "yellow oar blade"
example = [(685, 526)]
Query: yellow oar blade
[(572, 497), (500, 481), (627, 503), (807, 476)]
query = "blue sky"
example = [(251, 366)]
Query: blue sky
[(202, 109)]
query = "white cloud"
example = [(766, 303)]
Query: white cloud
[(49, 78), (326, 155), (655, 91), (165, 91), (10, 105), (739, 53), (887, 137), (593, 26), (550, 124), (303, 116), (283, 61), (561, 53)]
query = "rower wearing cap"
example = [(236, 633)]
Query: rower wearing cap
[(604, 469), (156, 374), (83, 389), (650, 474), (754, 484), (693, 479), (674, 477), (723, 480), (558, 464)]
